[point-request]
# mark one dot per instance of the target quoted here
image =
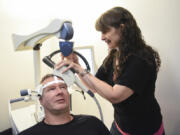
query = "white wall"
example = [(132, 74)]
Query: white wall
[(158, 20)]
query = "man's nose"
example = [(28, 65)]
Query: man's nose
[(58, 90)]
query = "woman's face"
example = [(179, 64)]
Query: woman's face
[(112, 37)]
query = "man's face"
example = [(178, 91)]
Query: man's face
[(55, 97)]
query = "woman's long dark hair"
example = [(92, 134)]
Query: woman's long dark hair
[(131, 42)]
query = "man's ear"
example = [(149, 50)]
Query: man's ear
[(40, 100)]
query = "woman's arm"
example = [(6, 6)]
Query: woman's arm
[(114, 94)]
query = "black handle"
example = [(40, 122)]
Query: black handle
[(48, 61)]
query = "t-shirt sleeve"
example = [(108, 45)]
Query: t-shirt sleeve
[(101, 74), (136, 75)]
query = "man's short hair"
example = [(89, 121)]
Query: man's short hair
[(48, 76), (45, 77)]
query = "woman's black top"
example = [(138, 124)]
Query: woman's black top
[(140, 113)]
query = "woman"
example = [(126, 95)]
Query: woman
[(130, 84)]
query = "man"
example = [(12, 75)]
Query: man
[(58, 121)]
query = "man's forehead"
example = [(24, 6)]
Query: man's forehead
[(52, 78), (52, 81)]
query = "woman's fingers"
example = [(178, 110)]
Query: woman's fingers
[(72, 57), (75, 59), (69, 65), (62, 56), (62, 63), (58, 65), (68, 68)]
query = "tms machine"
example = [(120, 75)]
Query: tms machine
[(28, 116)]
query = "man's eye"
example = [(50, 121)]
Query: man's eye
[(51, 88), (62, 87)]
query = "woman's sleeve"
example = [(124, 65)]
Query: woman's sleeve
[(101, 74)]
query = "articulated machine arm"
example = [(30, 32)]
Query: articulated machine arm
[(62, 29)]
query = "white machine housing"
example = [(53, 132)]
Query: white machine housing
[(28, 42)]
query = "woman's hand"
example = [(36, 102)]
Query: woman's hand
[(72, 57), (71, 62)]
